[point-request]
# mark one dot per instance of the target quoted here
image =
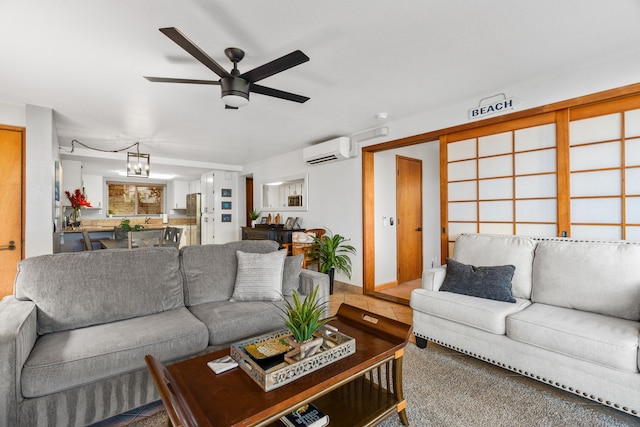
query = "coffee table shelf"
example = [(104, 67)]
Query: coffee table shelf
[(359, 390), (356, 404)]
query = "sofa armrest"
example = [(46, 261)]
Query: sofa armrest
[(17, 337), (433, 278), (310, 279)]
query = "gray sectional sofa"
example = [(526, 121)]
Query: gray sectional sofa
[(574, 323), (74, 335)]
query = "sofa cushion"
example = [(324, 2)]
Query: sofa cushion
[(210, 270), (485, 314), (66, 359), (605, 340), (599, 277), (230, 321), (291, 274), (259, 276), (483, 282), (79, 289), (493, 250)]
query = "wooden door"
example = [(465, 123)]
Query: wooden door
[(248, 198), (11, 198), (409, 218)]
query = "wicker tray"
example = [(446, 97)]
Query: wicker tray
[(272, 372)]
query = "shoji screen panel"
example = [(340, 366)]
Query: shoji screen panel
[(503, 182), (605, 171)]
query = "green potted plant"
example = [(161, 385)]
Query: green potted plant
[(332, 254), (126, 226), (304, 319), (254, 215)]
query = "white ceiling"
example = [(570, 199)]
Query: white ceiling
[(85, 59)]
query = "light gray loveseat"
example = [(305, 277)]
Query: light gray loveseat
[(74, 335), (574, 323)]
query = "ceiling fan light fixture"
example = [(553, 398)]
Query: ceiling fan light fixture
[(235, 91)]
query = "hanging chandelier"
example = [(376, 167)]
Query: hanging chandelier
[(138, 165)]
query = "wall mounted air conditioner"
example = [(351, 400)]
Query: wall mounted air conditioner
[(330, 151)]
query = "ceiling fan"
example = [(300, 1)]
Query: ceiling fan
[(235, 86)]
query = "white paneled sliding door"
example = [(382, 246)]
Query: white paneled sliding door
[(503, 183), (605, 176)]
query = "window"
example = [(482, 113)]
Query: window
[(135, 199)]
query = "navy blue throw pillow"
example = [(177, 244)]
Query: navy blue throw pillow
[(482, 282)]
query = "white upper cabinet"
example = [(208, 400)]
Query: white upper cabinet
[(180, 191), (94, 190)]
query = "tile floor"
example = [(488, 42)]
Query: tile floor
[(353, 295)]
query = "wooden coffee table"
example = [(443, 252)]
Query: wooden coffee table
[(359, 390)]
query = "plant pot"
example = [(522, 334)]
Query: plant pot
[(302, 350), (331, 273)]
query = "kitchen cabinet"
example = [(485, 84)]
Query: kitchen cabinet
[(93, 190), (71, 178), (194, 186), (207, 229), (207, 190), (180, 191)]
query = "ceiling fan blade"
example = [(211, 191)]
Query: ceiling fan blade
[(182, 41), (263, 90), (275, 66), (230, 108), (172, 80)]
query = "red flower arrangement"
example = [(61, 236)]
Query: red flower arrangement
[(78, 200)]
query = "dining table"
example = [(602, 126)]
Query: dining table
[(114, 243)]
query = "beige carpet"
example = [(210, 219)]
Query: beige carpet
[(444, 389)]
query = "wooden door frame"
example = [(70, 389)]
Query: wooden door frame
[(23, 185), (23, 179), (368, 156)]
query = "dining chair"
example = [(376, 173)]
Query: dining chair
[(119, 233), (172, 236), (145, 239), (88, 246)]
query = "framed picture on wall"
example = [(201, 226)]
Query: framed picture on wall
[(226, 192), (226, 205), (226, 217)]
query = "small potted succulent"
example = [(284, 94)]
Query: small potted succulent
[(304, 319), (254, 215)]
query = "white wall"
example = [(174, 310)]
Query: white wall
[(41, 153), (385, 207), (336, 189), (335, 197)]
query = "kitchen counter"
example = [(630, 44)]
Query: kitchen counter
[(106, 228)]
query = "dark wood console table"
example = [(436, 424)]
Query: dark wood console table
[(269, 232)]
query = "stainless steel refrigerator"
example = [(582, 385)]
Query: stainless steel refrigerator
[(193, 219)]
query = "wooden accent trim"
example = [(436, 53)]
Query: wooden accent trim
[(368, 223), (510, 126), (604, 108), (444, 196), (386, 285), (563, 175)]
